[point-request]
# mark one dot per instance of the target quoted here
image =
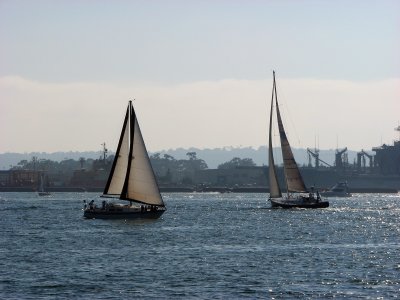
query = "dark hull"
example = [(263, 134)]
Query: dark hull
[(44, 194), (104, 214), (298, 204)]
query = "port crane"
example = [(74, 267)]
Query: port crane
[(315, 155), (361, 159), (341, 158)]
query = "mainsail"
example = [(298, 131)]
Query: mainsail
[(294, 180), (274, 189), (132, 176)]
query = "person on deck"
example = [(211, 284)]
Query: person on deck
[(318, 196)]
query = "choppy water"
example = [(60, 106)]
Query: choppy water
[(205, 246)]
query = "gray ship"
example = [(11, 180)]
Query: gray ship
[(375, 173)]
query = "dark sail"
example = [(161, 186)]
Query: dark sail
[(294, 180)]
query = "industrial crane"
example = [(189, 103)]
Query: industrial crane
[(340, 158), (361, 159), (315, 154)]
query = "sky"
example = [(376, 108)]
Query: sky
[(200, 72)]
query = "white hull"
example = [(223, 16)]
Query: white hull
[(339, 190)]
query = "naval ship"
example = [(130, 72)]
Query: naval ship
[(379, 172)]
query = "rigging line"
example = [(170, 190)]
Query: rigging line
[(288, 113), (274, 137), (276, 140), (275, 132)]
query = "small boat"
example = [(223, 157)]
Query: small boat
[(42, 191), (340, 189), (131, 179), (298, 196)]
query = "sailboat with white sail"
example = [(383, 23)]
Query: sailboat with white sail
[(297, 196), (42, 191), (131, 179)]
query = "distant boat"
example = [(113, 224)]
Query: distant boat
[(340, 189), (297, 195), (42, 191), (131, 179)]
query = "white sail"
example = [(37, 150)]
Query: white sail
[(294, 180), (274, 189), (118, 171), (41, 188), (142, 185)]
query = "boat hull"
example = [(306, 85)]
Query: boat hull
[(298, 203), (338, 190), (44, 193), (123, 213)]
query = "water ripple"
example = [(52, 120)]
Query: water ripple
[(217, 246)]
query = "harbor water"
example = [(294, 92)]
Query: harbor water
[(206, 246)]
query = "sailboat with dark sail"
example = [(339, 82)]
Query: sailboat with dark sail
[(131, 179), (298, 196)]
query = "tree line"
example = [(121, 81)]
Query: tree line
[(160, 163)]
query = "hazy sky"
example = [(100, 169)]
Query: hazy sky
[(200, 71)]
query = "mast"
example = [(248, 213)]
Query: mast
[(274, 189), (130, 156)]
